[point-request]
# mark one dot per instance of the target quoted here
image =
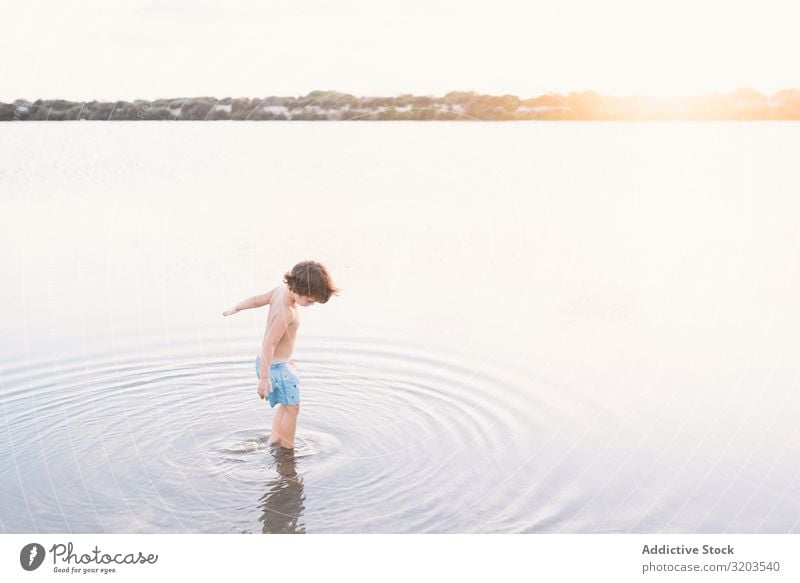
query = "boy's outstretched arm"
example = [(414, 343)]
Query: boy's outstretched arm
[(251, 302)]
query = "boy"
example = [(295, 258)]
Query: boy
[(306, 284)]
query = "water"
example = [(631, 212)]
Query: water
[(566, 327)]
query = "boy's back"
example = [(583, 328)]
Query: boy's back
[(282, 306)]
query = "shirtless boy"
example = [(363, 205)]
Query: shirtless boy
[(306, 284)]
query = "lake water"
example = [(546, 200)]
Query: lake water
[(543, 327)]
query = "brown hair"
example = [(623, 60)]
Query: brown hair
[(309, 278)]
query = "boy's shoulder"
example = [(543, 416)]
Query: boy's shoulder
[(281, 301)]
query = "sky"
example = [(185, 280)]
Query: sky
[(146, 49)]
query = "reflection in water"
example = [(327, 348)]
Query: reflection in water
[(282, 504)]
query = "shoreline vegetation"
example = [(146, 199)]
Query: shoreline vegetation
[(739, 105)]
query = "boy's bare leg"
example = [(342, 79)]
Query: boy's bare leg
[(277, 423), (289, 425)]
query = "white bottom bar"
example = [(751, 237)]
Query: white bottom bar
[(618, 558)]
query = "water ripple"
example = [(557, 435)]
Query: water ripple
[(177, 443)]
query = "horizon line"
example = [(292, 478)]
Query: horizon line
[(311, 93), (740, 104)]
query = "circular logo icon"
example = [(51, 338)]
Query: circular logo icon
[(31, 556)]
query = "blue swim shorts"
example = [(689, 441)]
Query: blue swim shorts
[(285, 383)]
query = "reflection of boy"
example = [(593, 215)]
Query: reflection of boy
[(283, 502)]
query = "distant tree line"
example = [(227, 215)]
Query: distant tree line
[(743, 104)]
